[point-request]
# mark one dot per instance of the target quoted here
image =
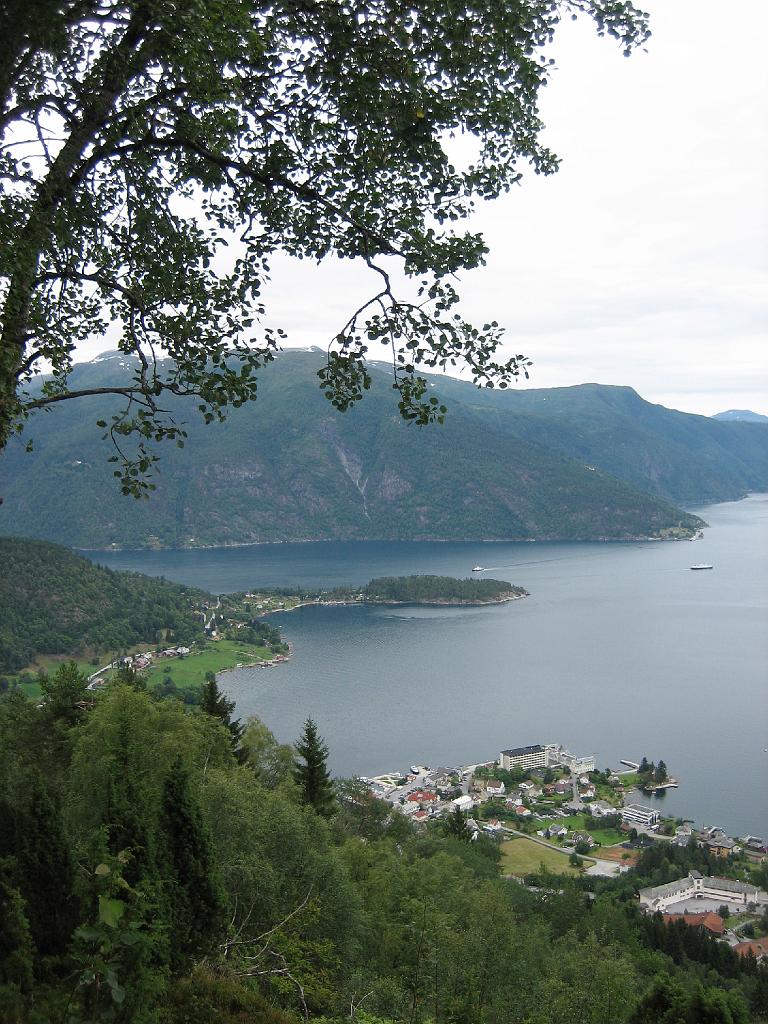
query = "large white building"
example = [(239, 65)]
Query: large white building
[(534, 756), (552, 755), (637, 814), (560, 757), (697, 886)]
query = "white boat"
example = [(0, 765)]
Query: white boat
[(702, 566), (477, 568)]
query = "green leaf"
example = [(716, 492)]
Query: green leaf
[(110, 911)]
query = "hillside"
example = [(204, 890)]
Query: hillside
[(53, 601), (676, 455), (573, 463)]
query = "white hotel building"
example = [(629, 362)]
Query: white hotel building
[(552, 755)]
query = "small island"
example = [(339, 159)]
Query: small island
[(438, 590)]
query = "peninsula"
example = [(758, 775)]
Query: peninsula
[(439, 591)]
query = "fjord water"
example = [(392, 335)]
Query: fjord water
[(620, 650)]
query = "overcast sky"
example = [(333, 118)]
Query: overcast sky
[(644, 261)]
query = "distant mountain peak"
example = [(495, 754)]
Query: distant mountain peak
[(744, 415)]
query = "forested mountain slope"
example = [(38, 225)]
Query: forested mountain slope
[(677, 455), (572, 463), (53, 601)]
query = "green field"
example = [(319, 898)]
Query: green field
[(49, 663), (583, 823), (217, 656), (523, 856), (186, 673), (604, 836)]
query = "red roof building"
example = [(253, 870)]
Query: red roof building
[(710, 921), (757, 947)]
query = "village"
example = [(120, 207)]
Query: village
[(541, 801)]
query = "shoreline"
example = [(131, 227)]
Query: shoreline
[(278, 659), (397, 604), (639, 539)]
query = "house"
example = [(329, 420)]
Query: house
[(493, 825), (758, 948), (583, 837), (410, 809), (721, 847), (522, 812), (530, 789), (464, 803), (601, 809), (420, 796), (557, 831), (711, 832), (494, 787), (756, 843), (587, 793), (420, 817), (439, 779), (709, 922)]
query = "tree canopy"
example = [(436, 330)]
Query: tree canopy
[(154, 156), (147, 877)]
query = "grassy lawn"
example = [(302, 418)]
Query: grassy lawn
[(218, 655), (583, 823), (523, 856), (604, 836), (630, 780)]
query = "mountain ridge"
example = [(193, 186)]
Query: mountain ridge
[(550, 464)]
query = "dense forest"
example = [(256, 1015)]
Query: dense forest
[(53, 601), (166, 865), (439, 590)]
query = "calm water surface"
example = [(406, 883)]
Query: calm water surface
[(620, 650)]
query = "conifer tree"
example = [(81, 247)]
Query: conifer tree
[(193, 900), (16, 947), (214, 703), (456, 825), (46, 873), (127, 828), (65, 693), (311, 771)]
